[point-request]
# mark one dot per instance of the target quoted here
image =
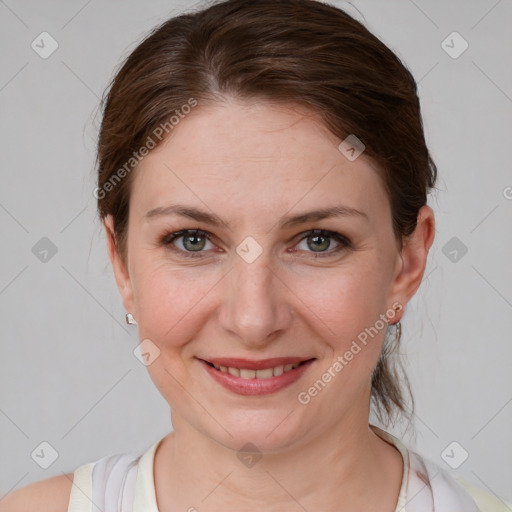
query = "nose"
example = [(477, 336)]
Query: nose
[(256, 305)]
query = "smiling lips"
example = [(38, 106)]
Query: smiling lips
[(256, 377), (263, 369)]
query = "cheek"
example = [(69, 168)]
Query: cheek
[(168, 299), (348, 306), (168, 304), (345, 299)]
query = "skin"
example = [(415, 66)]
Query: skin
[(251, 164)]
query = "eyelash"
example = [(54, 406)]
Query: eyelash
[(168, 239)]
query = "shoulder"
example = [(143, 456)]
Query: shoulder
[(49, 495), (73, 491)]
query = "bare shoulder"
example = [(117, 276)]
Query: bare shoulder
[(49, 495)]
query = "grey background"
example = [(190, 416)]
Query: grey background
[(68, 375)]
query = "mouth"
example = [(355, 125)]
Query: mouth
[(256, 377), (244, 370)]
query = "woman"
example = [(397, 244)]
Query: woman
[(263, 181)]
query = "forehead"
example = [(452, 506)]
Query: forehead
[(258, 155)]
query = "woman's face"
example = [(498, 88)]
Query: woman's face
[(262, 286)]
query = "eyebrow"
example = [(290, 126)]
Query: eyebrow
[(286, 222)]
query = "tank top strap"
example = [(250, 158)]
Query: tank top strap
[(432, 488), (81, 490), (107, 485), (113, 483)]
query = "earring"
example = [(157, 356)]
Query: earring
[(130, 320), (398, 330)]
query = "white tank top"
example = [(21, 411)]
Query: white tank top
[(125, 483)]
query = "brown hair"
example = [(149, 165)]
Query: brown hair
[(291, 51)]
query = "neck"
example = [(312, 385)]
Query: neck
[(348, 467)]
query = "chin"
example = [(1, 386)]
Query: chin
[(269, 431)]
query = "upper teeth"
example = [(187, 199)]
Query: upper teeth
[(266, 373)]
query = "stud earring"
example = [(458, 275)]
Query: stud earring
[(398, 327), (130, 320)]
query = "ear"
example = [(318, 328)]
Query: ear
[(120, 269), (412, 259)]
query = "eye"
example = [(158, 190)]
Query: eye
[(193, 241), (321, 240)]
